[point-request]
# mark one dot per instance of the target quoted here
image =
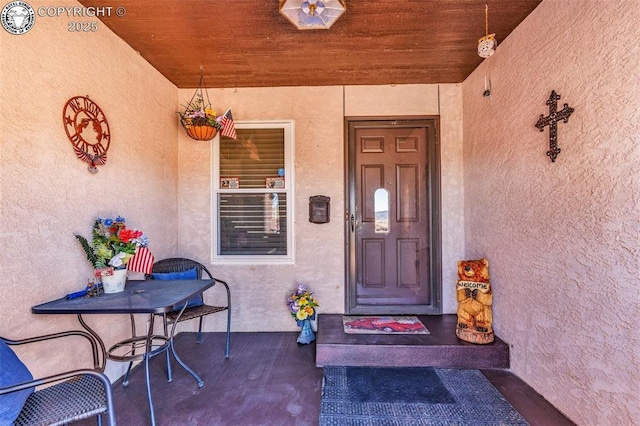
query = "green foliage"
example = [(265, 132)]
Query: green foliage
[(88, 251)]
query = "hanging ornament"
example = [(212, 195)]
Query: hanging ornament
[(487, 44), (88, 130)]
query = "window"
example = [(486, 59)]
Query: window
[(252, 194), (381, 210)]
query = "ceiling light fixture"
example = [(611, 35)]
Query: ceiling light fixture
[(487, 44), (312, 14)]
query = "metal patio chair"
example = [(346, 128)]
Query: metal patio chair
[(180, 265), (73, 395)]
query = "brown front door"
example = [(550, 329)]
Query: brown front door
[(393, 230)]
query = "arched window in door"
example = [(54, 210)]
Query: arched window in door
[(381, 210)]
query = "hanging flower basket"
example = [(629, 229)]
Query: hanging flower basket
[(199, 119)]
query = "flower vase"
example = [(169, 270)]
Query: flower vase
[(114, 283), (306, 334)]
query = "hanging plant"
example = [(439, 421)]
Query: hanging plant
[(199, 119)]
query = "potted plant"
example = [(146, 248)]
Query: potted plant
[(199, 119), (112, 247)]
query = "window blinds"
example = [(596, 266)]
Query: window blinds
[(251, 222)]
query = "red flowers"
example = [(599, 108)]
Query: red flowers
[(126, 235)]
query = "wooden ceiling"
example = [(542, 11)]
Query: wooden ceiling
[(247, 43)]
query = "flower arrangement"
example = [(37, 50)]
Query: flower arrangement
[(302, 304), (113, 244), (199, 119), (197, 113)]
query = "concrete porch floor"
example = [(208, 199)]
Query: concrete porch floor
[(269, 379)]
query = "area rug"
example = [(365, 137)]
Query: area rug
[(412, 396), (383, 325)]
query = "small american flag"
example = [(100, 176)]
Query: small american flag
[(142, 261), (228, 128)]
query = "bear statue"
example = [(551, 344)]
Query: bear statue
[(473, 292)]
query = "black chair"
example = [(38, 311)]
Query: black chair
[(76, 394), (177, 265)]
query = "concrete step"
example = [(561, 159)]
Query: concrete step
[(441, 348)]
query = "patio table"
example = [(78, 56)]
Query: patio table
[(139, 297)]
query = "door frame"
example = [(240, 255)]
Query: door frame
[(433, 183)]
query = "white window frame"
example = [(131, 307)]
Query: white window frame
[(289, 258)]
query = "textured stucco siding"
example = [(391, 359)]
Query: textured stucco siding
[(47, 194), (563, 238), (259, 292)]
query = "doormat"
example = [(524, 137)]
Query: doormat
[(412, 396), (383, 325)]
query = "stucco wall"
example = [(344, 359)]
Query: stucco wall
[(259, 292), (47, 194), (562, 238)]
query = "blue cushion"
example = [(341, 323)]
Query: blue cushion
[(190, 274), (12, 371)]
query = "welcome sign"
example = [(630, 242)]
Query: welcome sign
[(473, 285)]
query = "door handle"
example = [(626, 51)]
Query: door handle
[(353, 220)]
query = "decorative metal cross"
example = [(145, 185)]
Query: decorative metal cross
[(551, 120)]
